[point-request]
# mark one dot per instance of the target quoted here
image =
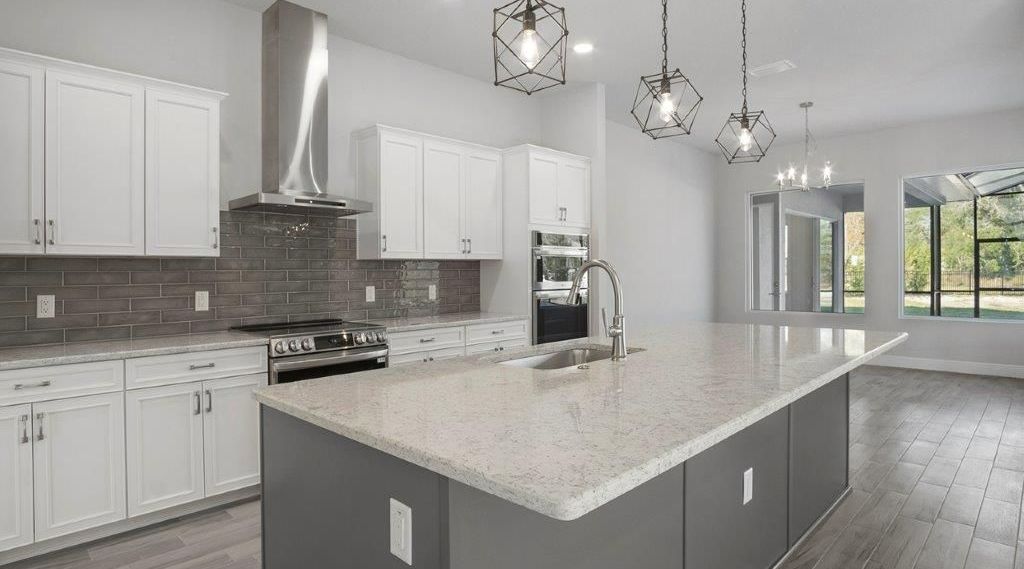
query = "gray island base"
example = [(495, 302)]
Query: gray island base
[(326, 501)]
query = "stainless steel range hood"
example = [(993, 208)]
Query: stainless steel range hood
[(295, 117)]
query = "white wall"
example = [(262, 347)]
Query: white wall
[(198, 42), (660, 231), (880, 159)]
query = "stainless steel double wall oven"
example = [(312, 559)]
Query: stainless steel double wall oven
[(556, 258)]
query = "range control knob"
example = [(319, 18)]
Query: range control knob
[(360, 338), (280, 347), (307, 344), (381, 337), (293, 345)]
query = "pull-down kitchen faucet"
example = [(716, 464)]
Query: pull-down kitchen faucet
[(617, 330)]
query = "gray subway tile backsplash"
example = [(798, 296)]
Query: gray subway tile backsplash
[(272, 268)]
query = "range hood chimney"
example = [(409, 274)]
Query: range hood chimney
[(295, 117)]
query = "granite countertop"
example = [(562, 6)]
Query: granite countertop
[(564, 442), (445, 320), (38, 356)]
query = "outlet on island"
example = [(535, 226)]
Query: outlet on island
[(45, 306)]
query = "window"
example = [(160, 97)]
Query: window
[(963, 245)]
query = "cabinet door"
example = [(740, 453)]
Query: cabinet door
[(231, 433), (544, 190), (79, 463), (95, 163), (182, 175), (401, 196), (574, 192), (21, 146), (482, 211), (442, 206), (165, 447), (15, 476)]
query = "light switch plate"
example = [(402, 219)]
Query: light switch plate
[(45, 306), (371, 294), (401, 530), (202, 300), (748, 485), (432, 292)]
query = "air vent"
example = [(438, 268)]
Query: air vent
[(780, 66)]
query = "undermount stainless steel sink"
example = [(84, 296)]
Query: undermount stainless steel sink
[(560, 359)]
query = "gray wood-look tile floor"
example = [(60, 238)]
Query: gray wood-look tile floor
[(936, 471)]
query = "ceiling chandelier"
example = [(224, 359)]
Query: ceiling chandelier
[(530, 39), (746, 135), (665, 103), (794, 178)]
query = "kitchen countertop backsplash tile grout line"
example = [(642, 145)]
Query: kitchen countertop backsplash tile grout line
[(272, 268)]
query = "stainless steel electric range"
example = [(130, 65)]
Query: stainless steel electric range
[(320, 348)]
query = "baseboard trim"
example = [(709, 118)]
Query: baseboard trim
[(126, 525), (954, 366)]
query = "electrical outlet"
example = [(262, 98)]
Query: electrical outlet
[(371, 294), (432, 292), (202, 300), (401, 530), (45, 306), (748, 485)]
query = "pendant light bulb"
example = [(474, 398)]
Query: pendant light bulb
[(529, 51), (666, 106), (746, 139)]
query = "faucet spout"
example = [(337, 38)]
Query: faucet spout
[(617, 331)]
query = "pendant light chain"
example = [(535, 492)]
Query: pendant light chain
[(743, 45), (664, 37)]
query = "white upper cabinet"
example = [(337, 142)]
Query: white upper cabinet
[(79, 463), (482, 212), (433, 198), (21, 146), (389, 173), (442, 200), (99, 162), (95, 164), (15, 476), (559, 187), (182, 175)]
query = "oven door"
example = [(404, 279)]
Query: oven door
[(298, 368), (555, 320), (555, 267)]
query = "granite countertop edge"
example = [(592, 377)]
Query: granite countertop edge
[(571, 507)]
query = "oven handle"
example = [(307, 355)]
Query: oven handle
[(293, 363), (574, 252)]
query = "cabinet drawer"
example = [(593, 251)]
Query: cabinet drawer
[(424, 340), (195, 366), (427, 356), (55, 382), (491, 347), (478, 333)]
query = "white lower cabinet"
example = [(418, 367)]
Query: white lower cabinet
[(438, 344), (190, 441), (15, 476), (165, 447), (231, 433), (496, 346), (427, 356), (79, 463)]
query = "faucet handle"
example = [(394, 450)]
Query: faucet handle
[(604, 319)]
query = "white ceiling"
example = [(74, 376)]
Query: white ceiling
[(866, 64)]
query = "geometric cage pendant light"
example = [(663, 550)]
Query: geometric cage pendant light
[(666, 103), (746, 135), (530, 38), (797, 178)]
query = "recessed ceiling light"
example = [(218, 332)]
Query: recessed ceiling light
[(780, 66), (583, 47)]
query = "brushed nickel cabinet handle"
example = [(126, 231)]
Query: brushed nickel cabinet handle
[(53, 232), (384, 238), (24, 429), (20, 386), (39, 417), (502, 331), (425, 340), (39, 237), (209, 401), (470, 242), (194, 367), (199, 403), (216, 238)]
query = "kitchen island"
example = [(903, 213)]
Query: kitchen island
[(714, 445)]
